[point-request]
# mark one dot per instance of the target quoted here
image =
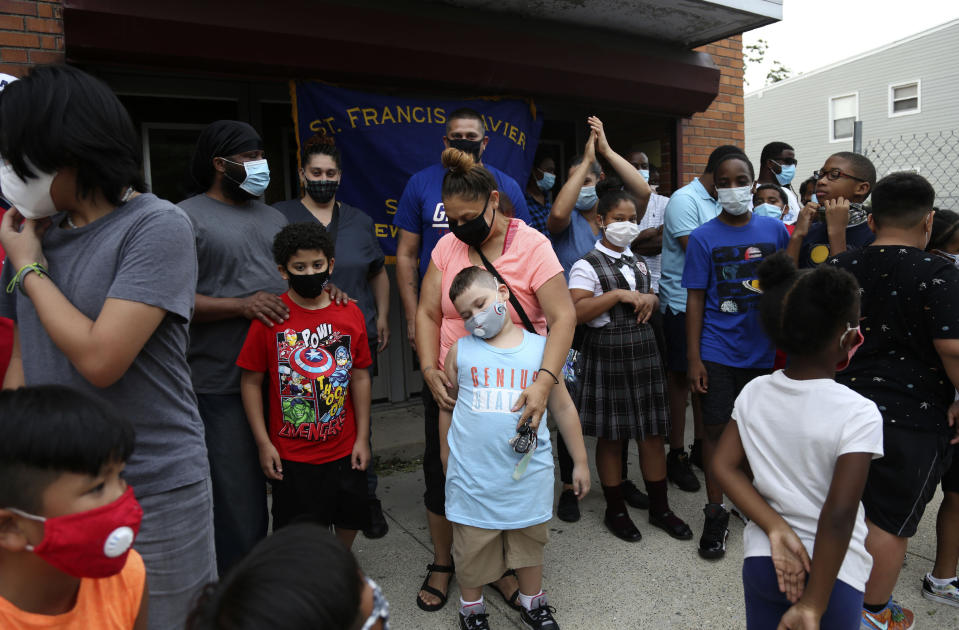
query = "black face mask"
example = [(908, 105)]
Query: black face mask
[(322, 190), (472, 147), (474, 231), (308, 285)]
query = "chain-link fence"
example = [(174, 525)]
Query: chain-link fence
[(932, 155)]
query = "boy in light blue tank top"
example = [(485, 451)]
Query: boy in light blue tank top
[(499, 496)]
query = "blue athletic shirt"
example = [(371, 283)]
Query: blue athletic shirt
[(480, 489), (421, 210), (723, 259)]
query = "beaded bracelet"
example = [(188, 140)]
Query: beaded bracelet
[(17, 281)]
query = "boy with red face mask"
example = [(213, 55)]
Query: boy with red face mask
[(67, 518)]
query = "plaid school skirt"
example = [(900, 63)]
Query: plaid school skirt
[(621, 389)]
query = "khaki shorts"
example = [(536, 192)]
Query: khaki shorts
[(483, 555)]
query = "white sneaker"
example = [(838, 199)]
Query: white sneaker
[(948, 594)]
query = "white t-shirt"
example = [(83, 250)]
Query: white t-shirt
[(793, 432), (583, 276), (654, 217)]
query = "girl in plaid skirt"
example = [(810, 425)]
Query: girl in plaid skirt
[(622, 391)]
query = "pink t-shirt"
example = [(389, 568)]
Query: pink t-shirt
[(526, 265)]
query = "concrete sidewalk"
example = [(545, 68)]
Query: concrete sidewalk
[(593, 579)]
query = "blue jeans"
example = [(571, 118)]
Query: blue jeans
[(176, 542), (239, 487), (765, 604)]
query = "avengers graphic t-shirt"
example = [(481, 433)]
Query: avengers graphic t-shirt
[(722, 260), (310, 360)]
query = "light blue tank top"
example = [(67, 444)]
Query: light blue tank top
[(480, 489)]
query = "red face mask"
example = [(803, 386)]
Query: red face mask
[(91, 544), (842, 365)]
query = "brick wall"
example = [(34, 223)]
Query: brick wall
[(31, 33), (723, 122)]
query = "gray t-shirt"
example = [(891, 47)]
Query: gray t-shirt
[(234, 249), (141, 252)]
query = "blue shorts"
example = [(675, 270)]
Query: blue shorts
[(765, 604)]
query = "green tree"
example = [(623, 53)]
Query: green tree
[(754, 53), (777, 73)]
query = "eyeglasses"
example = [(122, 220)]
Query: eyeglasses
[(784, 161), (834, 174)]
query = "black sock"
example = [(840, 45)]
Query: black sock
[(657, 496), (874, 608), (615, 503)]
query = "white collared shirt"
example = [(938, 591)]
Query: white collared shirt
[(583, 276)]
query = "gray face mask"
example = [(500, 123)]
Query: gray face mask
[(381, 607), (488, 322)]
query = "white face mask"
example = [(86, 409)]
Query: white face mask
[(31, 197), (735, 201), (621, 233)]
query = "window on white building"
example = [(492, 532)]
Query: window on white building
[(843, 111), (904, 99)]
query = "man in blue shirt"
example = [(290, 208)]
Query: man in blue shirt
[(689, 207)]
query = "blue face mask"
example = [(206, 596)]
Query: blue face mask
[(768, 210), (786, 174), (812, 198), (587, 198), (548, 181), (257, 176), (644, 172)]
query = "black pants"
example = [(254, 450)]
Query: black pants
[(435, 495)]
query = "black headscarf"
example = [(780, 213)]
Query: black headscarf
[(220, 139)]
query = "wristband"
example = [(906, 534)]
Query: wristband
[(427, 369), (17, 281), (555, 380)]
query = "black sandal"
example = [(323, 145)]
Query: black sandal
[(439, 568), (511, 601)]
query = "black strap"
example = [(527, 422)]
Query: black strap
[(512, 298)]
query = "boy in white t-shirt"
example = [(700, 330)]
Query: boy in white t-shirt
[(809, 442)]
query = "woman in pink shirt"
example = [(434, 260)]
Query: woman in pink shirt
[(525, 262)]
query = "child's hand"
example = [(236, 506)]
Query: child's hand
[(806, 216), (647, 302), (581, 480), (800, 617), (630, 297), (837, 212), (602, 146), (270, 462), (791, 562), (361, 455), (698, 377)]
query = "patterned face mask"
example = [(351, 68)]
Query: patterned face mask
[(381, 607)]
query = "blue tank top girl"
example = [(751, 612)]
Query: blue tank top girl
[(480, 489)]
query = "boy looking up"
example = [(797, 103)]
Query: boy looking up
[(316, 445), (836, 221), (498, 499), (67, 518)]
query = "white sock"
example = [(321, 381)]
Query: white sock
[(527, 600), (941, 583), (470, 608)]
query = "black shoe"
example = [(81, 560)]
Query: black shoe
[(568, 508), (476, 621), (713, 543), (696, 454), (634, 496), (378, 526), (540, 616), (680, 472), (623, 527), (671, 524)]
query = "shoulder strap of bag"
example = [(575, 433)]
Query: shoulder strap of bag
[(512, 298)]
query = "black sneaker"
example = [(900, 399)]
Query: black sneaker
[(568, 508), (476, 621), (696, 454), (680, 472), (634, 496), (712, 545), (378, 526), (540, 617)]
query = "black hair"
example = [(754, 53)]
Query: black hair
[(609, 184), (861, 165), (805, 185), (595, 167), (61, 117), (772, 149), (718, 153), (778, 189), (46, 431), (296, 236), (300, 578), (944, 226), (612, 199), (321, 145), (467, 277), (467, 113), (802, 311), (467, 178), (902, 200), (735, 156)]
